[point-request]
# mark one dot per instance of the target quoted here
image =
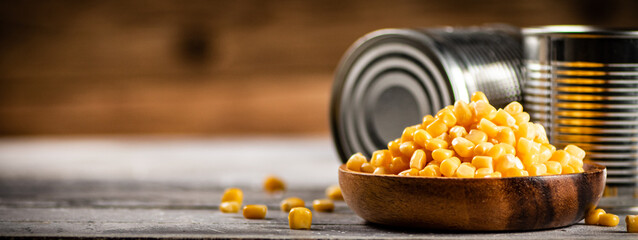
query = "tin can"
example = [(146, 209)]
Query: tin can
[(389, 79), (582, 85)]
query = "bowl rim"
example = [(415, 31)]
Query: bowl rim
[(590, 168)]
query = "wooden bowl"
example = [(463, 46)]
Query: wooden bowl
[(473, 204)]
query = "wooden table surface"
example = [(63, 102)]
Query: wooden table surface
[(152, 187)]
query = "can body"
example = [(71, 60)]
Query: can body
[(582, 85), (391, 78)]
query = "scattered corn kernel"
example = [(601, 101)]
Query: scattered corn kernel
[(255, 211), (233, 195), (355, 162), (334, 192), (593, 216), (229, 207), (608, 219), (323, 205), (291, 202), (476, 137), (300, 218), (632, 223), (274, 184)]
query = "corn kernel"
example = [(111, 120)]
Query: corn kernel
[(427, 120), (496, 151), (593, 216), (482, 149), (506, 162), (476, 96), (526, 130), (561, 156), (521, 118), (482, 162), (393, 147), (488, 127), (448, 117), (526, 146), (380, 171), (448, 166), (553, 167), (274, 184), (575, 162), (290, 203), (367, 168), (537, 169), (575, 151), (431, 170), (463, 147), (515, 172), (418, 159), (483, 173), (457, 131), (420, 136), (545, 153), (514, 108), (323, 205), (435, 143), (409, 172), (465, 170), (503, 118), (476, 136), (608, 219), (496, 175), (463, 113), (567, 169), (506, 135), (483, 109), (438, 155), (437, 127), (398, 164), (529, 159), (541, 134), (407, 148), (300, 218), (233, 195), (229, 207), (381, 158), (444, 137), (408, 134), (334, 192), (355, 162), (632, 223), (509, 149), (255, 211)]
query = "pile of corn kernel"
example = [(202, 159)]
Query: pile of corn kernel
[(472, 140), (299, 217)]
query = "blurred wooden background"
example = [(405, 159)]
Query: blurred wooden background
[(213, 67)]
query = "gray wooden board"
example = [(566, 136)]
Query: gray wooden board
[(45, 191)]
